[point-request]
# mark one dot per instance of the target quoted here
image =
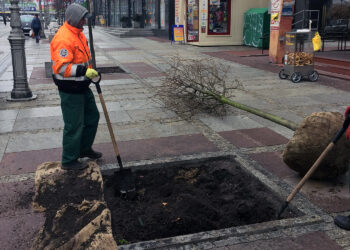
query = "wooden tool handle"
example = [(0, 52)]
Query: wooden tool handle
[(110, 129), (310, 172)]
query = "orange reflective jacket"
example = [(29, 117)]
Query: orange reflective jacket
[(69, 49)]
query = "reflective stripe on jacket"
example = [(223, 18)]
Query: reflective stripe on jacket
[(69, 49)]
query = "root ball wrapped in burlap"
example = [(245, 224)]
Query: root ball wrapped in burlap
[(311, 138)]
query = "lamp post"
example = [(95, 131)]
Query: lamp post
[(42, 33), (20, 91), (46, 14)]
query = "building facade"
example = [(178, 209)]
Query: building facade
[(214, 22), (150, 14)]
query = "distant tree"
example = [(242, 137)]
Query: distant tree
[(340, 11)]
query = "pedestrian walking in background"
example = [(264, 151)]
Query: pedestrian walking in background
[(36, 27), (5, 20), (72, 73), (93, 20)]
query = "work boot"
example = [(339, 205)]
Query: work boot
[(74, 165), (342, 221), (91, 154)]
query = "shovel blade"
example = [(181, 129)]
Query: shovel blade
[(126, 181)]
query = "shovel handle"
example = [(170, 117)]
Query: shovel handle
[(97, 83), (109, 125), (310, 172), (320, 158)]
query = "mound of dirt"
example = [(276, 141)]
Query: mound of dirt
[(173, 201), (76, 216), (311, 138), (77, 226), (55, 187)]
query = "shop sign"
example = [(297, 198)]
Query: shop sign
[(204, 11), (287, 9), (276, 6), (177, 12), (215, 2), (178, 33)]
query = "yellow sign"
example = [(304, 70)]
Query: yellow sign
[(178, 34)]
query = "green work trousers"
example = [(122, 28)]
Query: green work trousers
[(80, 116)]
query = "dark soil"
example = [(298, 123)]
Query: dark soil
[(189, 199)]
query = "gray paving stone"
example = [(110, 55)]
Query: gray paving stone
[(6, 126), (150, 114), (294, 101), (258, 103), (10, 114), (145, 130), (115, 117), (228, 123), (7, 76), (40, 112), (6, 86), (332, 98), (36, 123), (34, 141), (3, 144), (119, 82)]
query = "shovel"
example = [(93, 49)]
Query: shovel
[(315, 165), (126, 180), (125, 177)]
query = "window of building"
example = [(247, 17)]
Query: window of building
[(192, 20), (219, 17)]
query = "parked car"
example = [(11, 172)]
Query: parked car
[(26, 21), (1, 19)]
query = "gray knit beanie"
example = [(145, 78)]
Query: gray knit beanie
[(74, 14)]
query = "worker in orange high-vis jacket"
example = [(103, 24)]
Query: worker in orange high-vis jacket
[(72, 73)]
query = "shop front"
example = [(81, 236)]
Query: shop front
[(214, 22), (157, 15)]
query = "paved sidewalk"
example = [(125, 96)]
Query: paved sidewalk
[(31, 132)]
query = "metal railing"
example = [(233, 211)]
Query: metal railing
[(303, 19)]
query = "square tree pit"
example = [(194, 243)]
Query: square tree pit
[(188, 198)]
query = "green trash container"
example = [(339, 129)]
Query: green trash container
[(256, 27)]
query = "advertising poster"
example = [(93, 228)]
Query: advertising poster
[(177, 12), (178, 34), (276, 6)]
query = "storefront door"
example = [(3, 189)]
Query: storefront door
[(192, 20), (219, 17), (150, 13)]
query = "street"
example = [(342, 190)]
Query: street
[(31, 132)]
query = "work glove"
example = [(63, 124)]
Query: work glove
[(347, 112), (91, 73)]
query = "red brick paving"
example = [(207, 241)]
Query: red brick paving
[(115, 76), (16, 198), (256, 137), (273, 162), (143, 70), (309, 241), (330, 203), (158, 39), (38, 76), (38, 73), (18, 232), (334, 54), (26, 162), (41, 81), (18, 223), (262, 63)]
